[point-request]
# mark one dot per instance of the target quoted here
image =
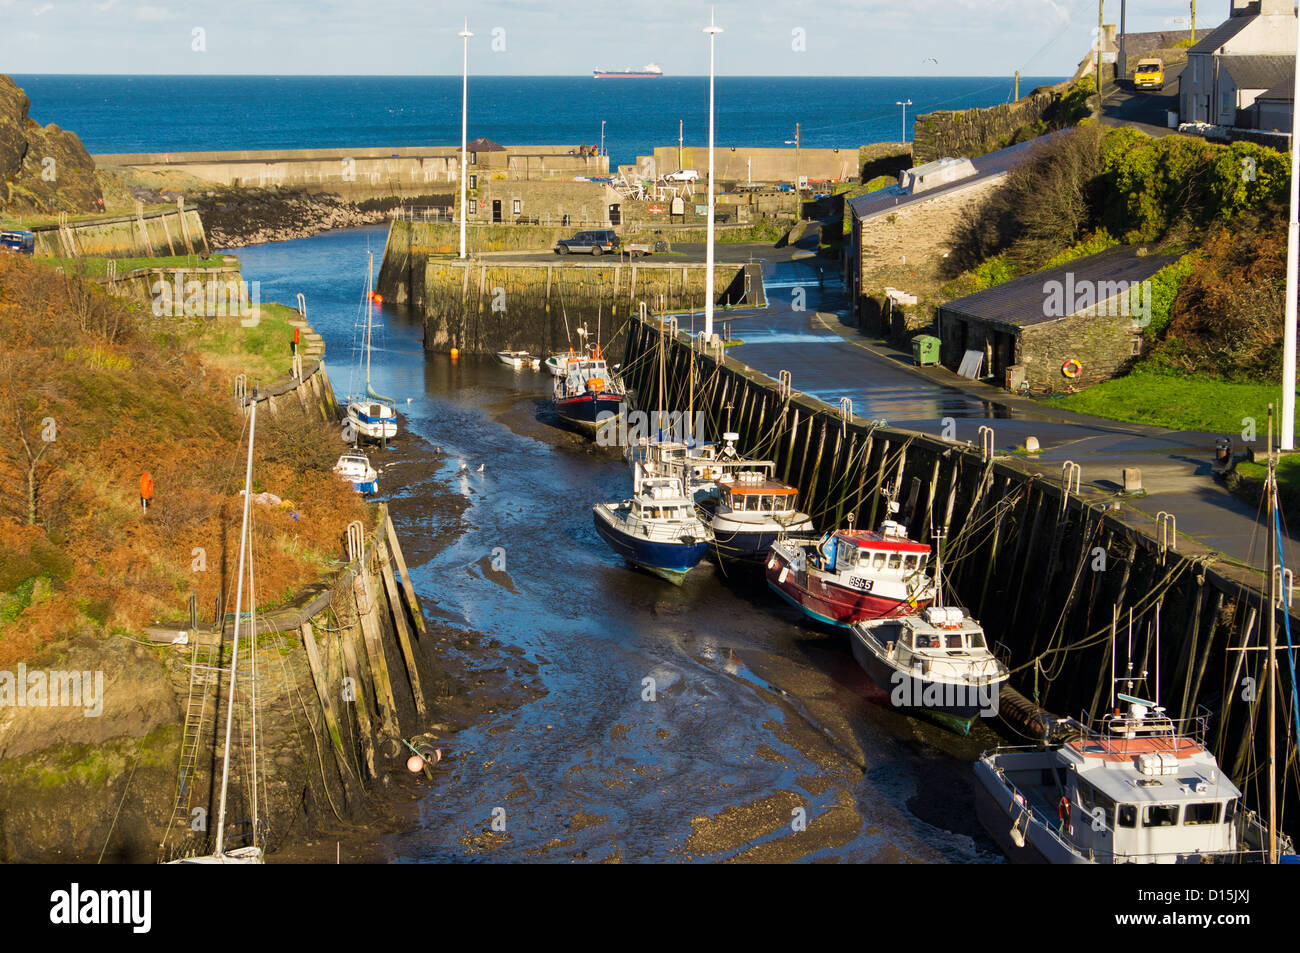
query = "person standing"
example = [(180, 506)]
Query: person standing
[(146, 491)]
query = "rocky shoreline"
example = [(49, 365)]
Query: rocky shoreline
[(235, 218)]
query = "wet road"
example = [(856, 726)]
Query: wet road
[(756, 724)]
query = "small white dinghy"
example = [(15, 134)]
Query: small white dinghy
[(357, 470), (518, 359)]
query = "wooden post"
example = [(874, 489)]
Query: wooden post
[(373, 636), (360, 693), (403, 631), (412, 602), (327, 706)]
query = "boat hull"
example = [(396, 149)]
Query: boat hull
[(747, 546), (997, 811), (904, 689), (671, 561), (828, 602), (588, 408)]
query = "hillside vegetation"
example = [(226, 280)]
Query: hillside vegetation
[(94, 390)]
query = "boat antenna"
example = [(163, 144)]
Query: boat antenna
[(239, 608), (1270, 485), (370, 308), (938, 569)]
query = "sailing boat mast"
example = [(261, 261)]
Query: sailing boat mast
[(234, 654), (1270, 489), (370, 310)]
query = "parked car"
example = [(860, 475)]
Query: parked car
[(24, 243), (682, 175), (595, 242), (1149, 74)]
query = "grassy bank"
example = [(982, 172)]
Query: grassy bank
[(98, 267), (1247, 482), (1178, 402)]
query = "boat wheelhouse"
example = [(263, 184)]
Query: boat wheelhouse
[(589, 392), (851, 576), (356, 469), (657, 530), (752, 512), (1142, 789), (936, 663)]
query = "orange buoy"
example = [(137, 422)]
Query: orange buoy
[(455, 353), (415, 764)]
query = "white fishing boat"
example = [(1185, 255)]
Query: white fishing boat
[(371, 416), (248, 853), (357, 470), (658, 529), (935, 662), (517, 359)]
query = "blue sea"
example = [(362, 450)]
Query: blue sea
[(193, 113)]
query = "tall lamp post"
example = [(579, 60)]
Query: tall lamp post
[(464, 131), (602, 137), (712, 30), (904, 103), (1287, 437)]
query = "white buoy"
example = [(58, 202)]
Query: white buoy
[(415, 764)]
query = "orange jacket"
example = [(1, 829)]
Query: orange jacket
[(146, 486)]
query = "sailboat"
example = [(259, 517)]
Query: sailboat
[(371, 416), (251, 854)]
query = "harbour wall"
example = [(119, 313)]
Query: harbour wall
[(361, 173), (484, 305), (151, 234), (1040, 564)]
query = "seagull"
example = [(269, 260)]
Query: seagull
[(408, 400), (481, 466)]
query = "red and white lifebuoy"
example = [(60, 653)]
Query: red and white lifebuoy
[(1072, 368)]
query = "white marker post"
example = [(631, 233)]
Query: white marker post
[(712, 30), (464, 131)]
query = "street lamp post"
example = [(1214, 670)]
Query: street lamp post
[(464, 131), (904, 103), (602, 137), (712, 30)]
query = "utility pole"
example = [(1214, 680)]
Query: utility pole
[(1016, 98), (1193, 22), (1101, 40), (679, 143), (1121, 65), (602, 137)]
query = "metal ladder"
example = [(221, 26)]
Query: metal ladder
[(203, 672)]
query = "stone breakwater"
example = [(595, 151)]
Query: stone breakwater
[(234, 219)]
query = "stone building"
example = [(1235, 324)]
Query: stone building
[(493, 199), (1250, 53), (1090, 311)]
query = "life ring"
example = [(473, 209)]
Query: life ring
[(1063, 810), (1072, 368)]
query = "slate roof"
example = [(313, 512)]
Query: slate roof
[(1020, 302), (1259, 71), (1224, 32), (995, 163)]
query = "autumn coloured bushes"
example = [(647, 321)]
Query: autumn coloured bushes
[(91, 396)]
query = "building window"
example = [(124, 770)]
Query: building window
[(473, 181), (473, 158), (1137, 346), (1196, 69), (517, 206), (473, 206), (1227, 105)]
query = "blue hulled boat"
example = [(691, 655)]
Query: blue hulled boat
[(657, 530)]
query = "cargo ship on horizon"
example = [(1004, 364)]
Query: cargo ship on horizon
[(649, 71)]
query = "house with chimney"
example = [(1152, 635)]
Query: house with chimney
[(1250, 54)]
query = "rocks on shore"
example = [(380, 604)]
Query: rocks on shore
[(234, 218), (42, 168)]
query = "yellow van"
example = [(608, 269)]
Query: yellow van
[(1149, 74)]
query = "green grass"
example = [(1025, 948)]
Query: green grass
[(98, 267), (1247, 482), (1179, 403)]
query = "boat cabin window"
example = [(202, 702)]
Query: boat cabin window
[(977, 640), (895, 560), (1128, 815), (1203, 813), (909, 564), (1160, 815), (878, 561), (1092, 800)]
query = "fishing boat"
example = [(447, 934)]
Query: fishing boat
[(371, 416), (517, 359), (1137, 787), (657, 530), (849, 576), (752, 511), (589, 393), (248, 853), (935, 662), (356, 469)]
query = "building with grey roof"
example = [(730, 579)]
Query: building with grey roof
[(1250, 53)]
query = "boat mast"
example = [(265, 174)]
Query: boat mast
[(1270, 489), (239, 608), (370, 306)]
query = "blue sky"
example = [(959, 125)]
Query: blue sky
[(534, 37)]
